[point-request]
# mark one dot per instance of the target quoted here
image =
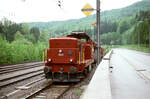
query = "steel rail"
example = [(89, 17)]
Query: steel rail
[(30, 63), (17, 68), (26, 91), (16, 79), (58, 97)]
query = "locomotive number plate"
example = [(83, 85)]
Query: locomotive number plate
[(60, 54)]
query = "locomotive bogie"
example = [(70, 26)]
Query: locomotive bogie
[(65, 77)]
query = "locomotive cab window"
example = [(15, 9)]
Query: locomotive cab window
[(83, 39)]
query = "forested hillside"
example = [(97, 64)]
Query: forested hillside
[(109, 21)]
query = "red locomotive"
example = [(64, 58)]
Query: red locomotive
[(70, 58)]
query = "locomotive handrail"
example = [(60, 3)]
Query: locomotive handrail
[(83, 57), (79, 57), (44, 56)]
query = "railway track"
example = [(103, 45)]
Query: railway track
[(38, 89), (27, 89), (35, 89), (57, 91), (15, 75), (18, 67), (54, 92), (15, 79)]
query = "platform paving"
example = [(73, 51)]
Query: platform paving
[(127, 78), (99, 86)]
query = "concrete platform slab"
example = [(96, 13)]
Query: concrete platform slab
[(99, 87), (126, 81)]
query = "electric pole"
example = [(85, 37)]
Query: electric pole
[(98, 30), (87, 10)]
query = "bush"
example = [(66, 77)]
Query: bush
[(20, 51)]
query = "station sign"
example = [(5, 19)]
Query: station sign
[(87, 9)]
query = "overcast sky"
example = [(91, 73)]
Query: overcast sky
[(47, 10)]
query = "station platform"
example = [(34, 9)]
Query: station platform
[(99, 86), (128, 79), (120, 77)]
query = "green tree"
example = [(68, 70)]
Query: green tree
[(25, 30), (44, 36), (123, 26), (31, 38), (1, 28), (9, 29), (36, 32), (19, 36)]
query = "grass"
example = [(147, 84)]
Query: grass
[(143, 48), (78, 92)]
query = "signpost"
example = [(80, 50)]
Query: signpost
[(87, 10), (98, 29)]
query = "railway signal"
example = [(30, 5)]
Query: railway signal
[(94, 28)]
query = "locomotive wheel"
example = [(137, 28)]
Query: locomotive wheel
[(93, 65), (46, 76), (85, 71)]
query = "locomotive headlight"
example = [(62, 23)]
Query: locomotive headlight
[(49, 60), (60, 51), (71, 60)]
